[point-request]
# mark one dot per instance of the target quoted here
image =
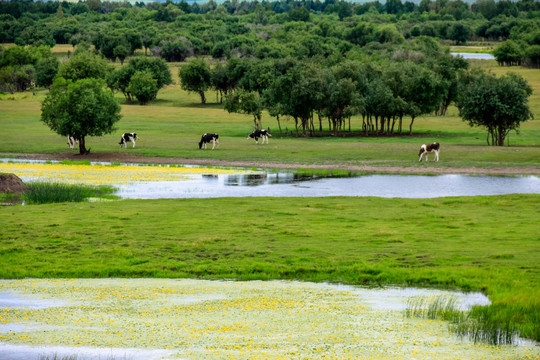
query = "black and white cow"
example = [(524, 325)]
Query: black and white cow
[(256, 134), (72, 141), (128, 137), (207, 138), (428, 149)]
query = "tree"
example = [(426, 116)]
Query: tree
[(459, 33), (121, 53), (80, 109), (499, 104), (509, 53), (46, 70), (143, 86), (84, 65), (245, 102), (196, 77)]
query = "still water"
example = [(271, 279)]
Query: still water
[(474, 56), (287, 185)]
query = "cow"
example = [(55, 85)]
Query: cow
[(206, 138), (428, 149), (128, 137), (256, 134), (72, 141)]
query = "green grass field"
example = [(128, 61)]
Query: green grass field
[(488, 244), (172, 126), (478, 243)]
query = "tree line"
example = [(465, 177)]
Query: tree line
[(276, 29)]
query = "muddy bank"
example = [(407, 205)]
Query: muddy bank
[(361, 167)]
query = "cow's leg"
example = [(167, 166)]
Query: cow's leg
[(422, 154), (214, 143), (437, 155)]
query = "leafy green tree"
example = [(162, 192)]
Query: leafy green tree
[(121, 53), (80, 109), (459, 33), (299, 13), (158, 67), (532, 55), (84, 65), (245, 102), (143, 86), (196, 77), (498, 104), (46, 70), (509, 53), (16, 78)]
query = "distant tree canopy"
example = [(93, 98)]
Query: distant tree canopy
[(176, 30)]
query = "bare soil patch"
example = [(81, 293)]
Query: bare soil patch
[(125, 157), (11, 183)]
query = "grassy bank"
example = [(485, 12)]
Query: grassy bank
[(472, 243)]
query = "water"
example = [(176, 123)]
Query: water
[(196, 182), (474, 56), (288, 185), (204, 318)]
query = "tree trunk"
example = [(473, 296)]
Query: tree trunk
[(279, 124), (410, 126), (82, 147), (203, 98)]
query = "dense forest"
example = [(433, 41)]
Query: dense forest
[(317, 62)]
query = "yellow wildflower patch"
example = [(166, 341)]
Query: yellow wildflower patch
[(195, 319), (107, 174)]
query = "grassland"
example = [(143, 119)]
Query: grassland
[(172, 126), (482, 243), (472, 243)]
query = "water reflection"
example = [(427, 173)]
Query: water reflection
[(288, 184)]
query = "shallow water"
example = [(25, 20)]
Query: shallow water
[(474, 56), (200, 319), (286, 185), (161, 182)]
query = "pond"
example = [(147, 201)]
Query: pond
[(136, 319), (160, 182), (476, 56)]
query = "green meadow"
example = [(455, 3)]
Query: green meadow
[(488, 244), (173, 125)]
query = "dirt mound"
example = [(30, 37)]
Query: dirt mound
[(11, 183)]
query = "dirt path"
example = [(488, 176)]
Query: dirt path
[(363, 167)]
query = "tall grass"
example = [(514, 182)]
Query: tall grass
[(47, 193), (480, 325)]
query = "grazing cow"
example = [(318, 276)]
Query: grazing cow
[(428, 149), (256, 134), (72, 141), (127, 137), (206, 138)]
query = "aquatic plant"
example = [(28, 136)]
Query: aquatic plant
[(477, 325), (47, 193)]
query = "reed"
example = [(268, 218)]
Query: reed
[(480, 325), (47, 193)]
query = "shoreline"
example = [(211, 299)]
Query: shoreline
[(368, 168)]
